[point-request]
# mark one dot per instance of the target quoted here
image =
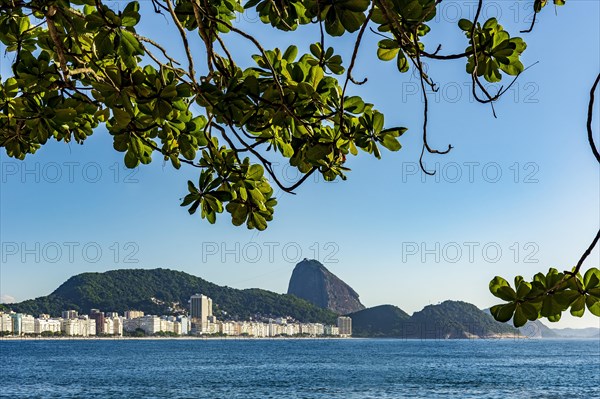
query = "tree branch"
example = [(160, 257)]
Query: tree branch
[(589, 119)]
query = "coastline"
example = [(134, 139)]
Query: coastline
[(238, 338), (233, 338)]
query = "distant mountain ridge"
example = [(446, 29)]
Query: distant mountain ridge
[(447, 320), (312, 281), (155, 290)]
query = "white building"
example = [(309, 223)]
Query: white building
[(118, 326), (154, 324), (113, 326), (184, 325), (27, 324), (6, 323), (167, 325), (150, 324), (47, 325), (312, 329), (81, 327), (229, 328), (332, 330)]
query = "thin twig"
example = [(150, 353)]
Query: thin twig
[(184, 39), (589, 119), (586, 253), (532, 24)]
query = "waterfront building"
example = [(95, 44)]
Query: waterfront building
[(177, 328), (16, 319), (70, 314), (133, 314), (184, 325), (22, 324), (113, 326), (345, 326), (229, 328), (117, 326), (201, 313), (150, 324), (98, 317), (46, 325), (80, 327), (130, 325), (332, 330), (6, 323), (167, 325)]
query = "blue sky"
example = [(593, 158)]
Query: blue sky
[(517, 195)]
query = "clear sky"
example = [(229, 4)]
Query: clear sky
[(517, 195)]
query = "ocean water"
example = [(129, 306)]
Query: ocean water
[(299, 368)]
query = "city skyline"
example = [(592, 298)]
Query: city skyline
[(198, 321)]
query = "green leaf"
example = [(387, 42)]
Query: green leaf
[(495, 285), (550, 307), (131, 160), (591, 279), (391, 143), (578, 306), (130, 44), (565, 298), (413, 10), (385, 54), (64, 115), (378, 121), (315, 49), (355, 5), (255, 172), (519, 319), (258, 221), (506, 293), (290, 54), (523, 288), (465, 24), (354, 104), (593, 304), (402, 62), (503, 313), (131, 15), (239, 213), (351, 20), (529, 310)]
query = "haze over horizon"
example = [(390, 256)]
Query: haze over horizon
[(517, 195)]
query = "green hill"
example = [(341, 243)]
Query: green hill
[(379, 321), (455, 319), (120, 290), (449, 319)]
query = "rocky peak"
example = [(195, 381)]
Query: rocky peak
[(312, 281)]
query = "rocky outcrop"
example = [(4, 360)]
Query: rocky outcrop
[(312, 281)]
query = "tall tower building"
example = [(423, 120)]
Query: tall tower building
[(200, 311), (98, 317), (345, 326)]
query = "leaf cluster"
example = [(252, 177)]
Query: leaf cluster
[(547, 295)]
